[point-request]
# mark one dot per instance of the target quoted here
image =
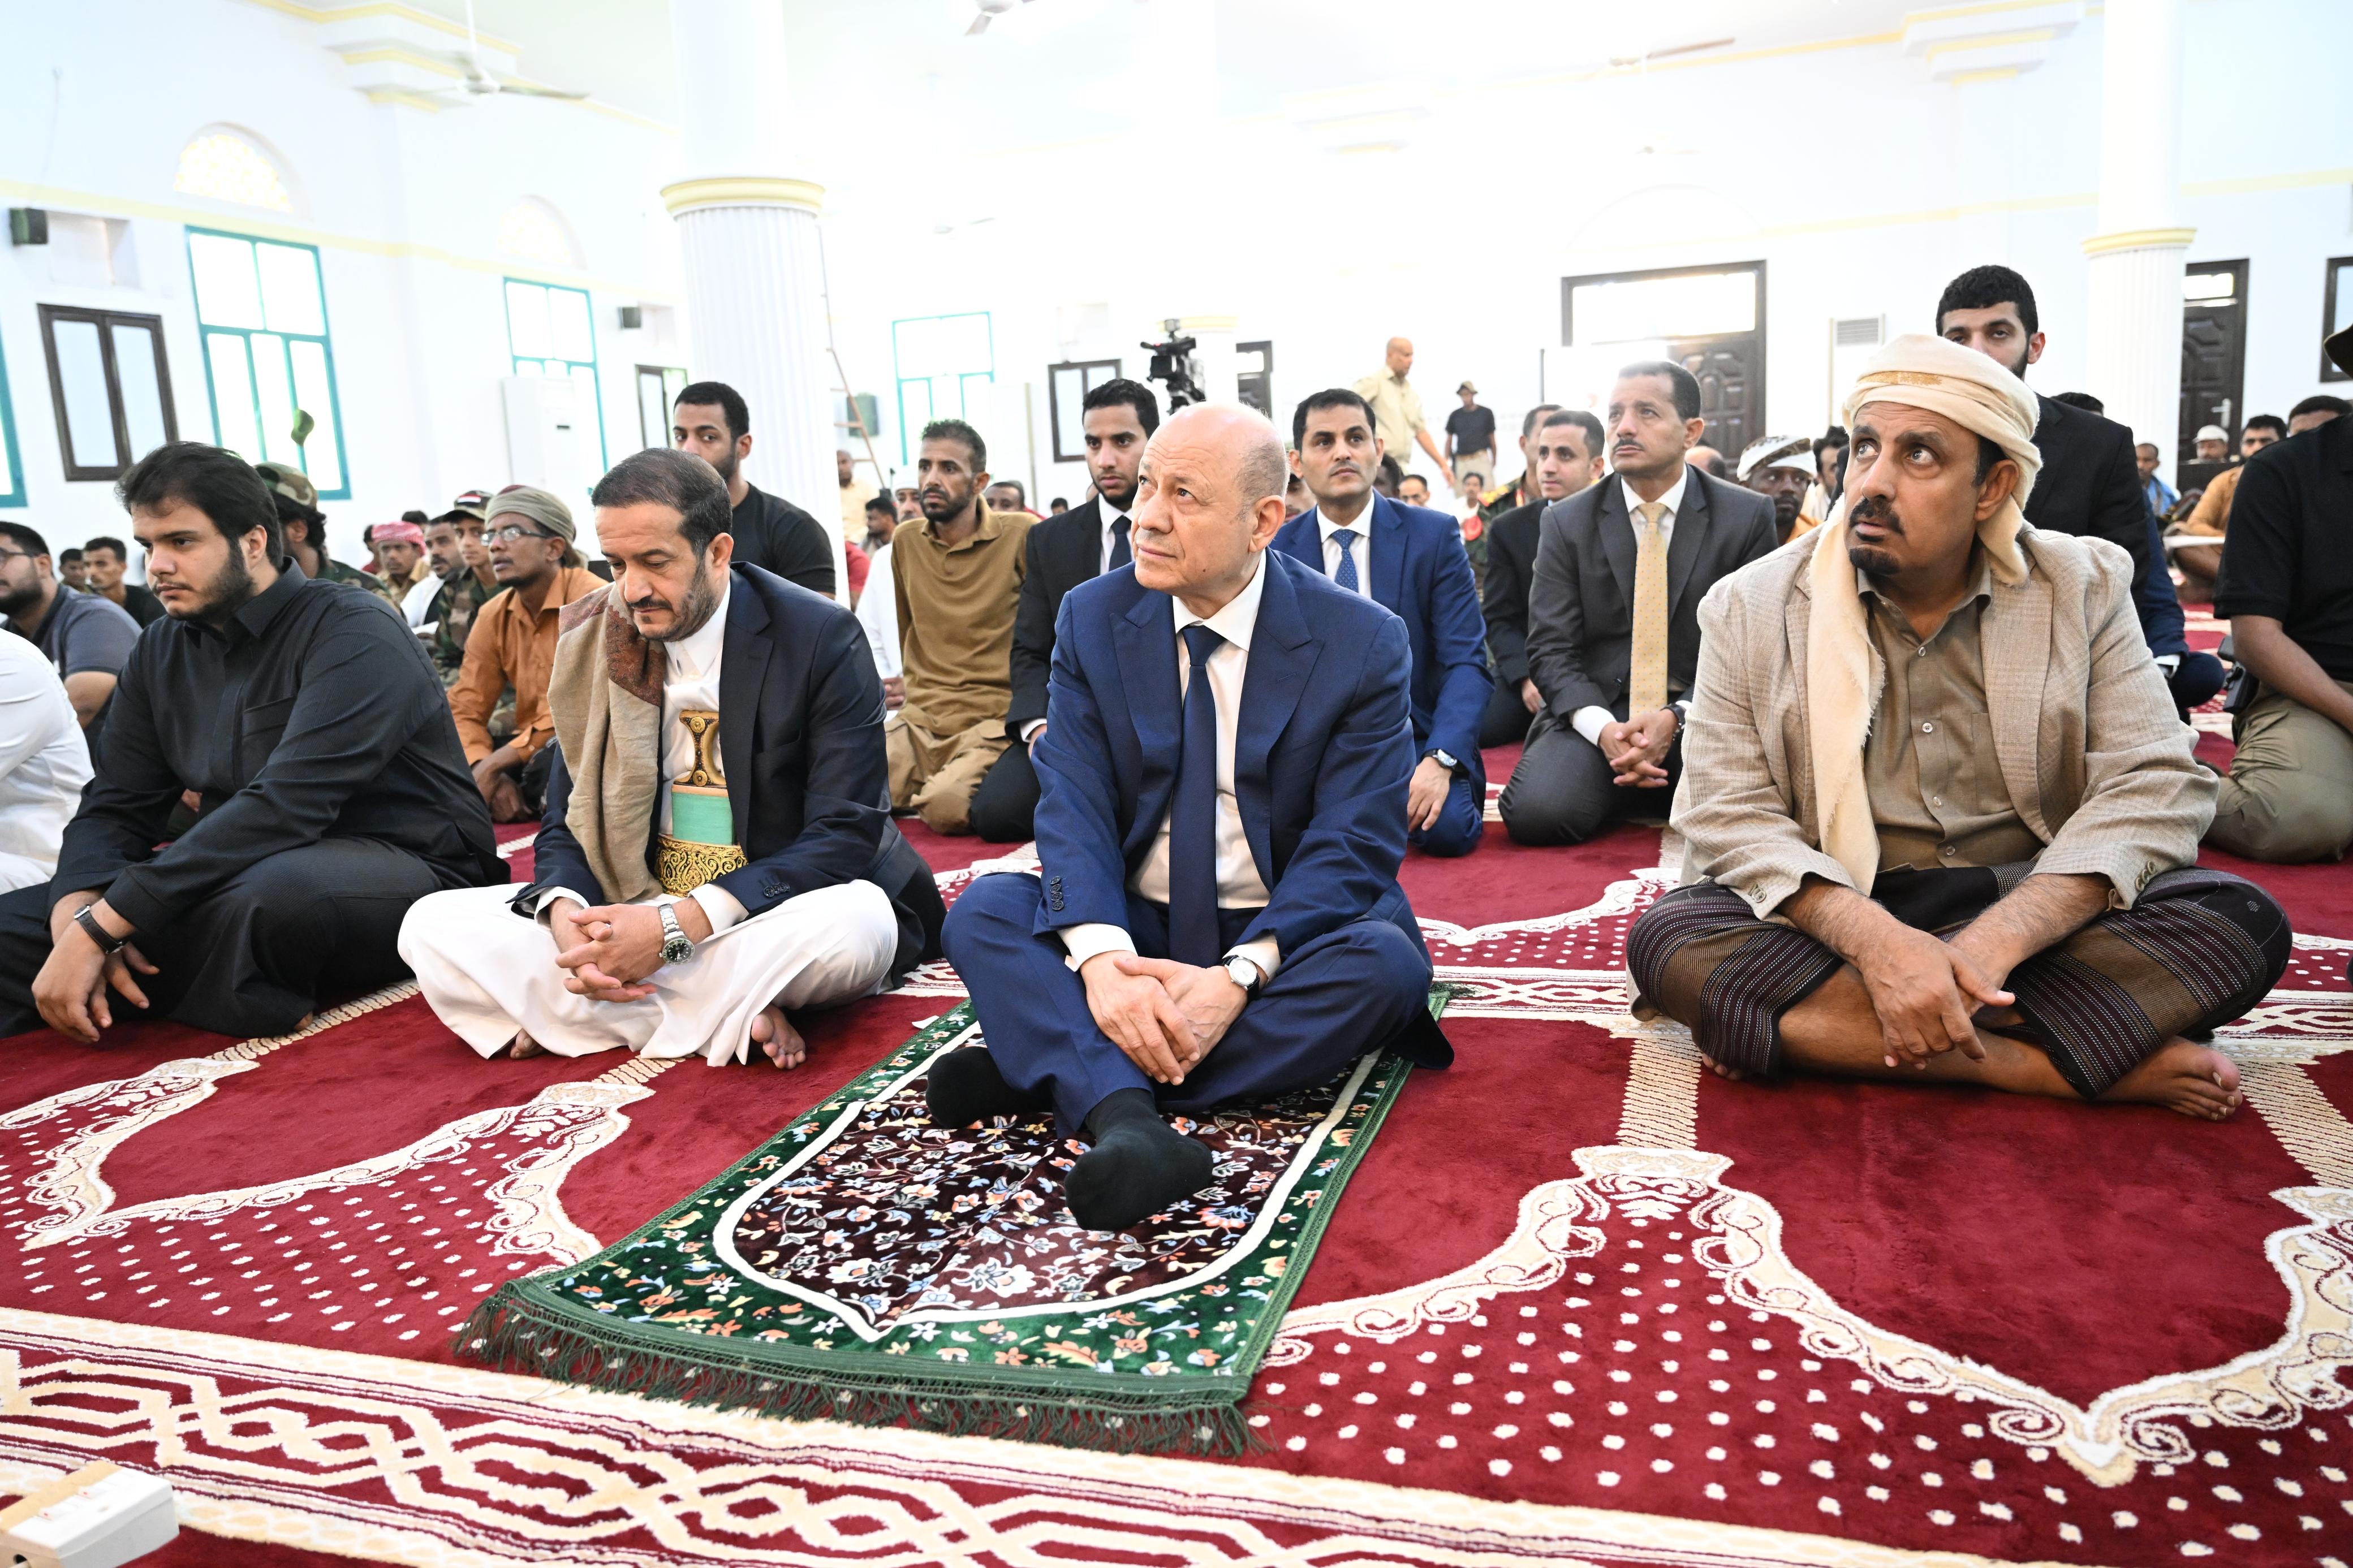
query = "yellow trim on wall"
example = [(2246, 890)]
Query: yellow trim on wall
[(1993, 41), (395, 54), (406, 99), (423, 18), (743, 191), (2000, 73), (259, 224), (2137, 239)]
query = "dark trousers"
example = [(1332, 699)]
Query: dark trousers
[(1337, 997), (1005, 806), (1505, 722), (1563, 791), (255, 957), (2195, 680), (1460, 821)]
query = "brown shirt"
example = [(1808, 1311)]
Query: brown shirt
[(509, 647), (2213, 513), (1937, 791), (956, 620)]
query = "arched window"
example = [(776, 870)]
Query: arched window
[(230, 165), (531, 231)]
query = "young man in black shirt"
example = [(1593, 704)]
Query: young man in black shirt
[(85, 636), (2287, 588), (309, 722), (710, 420)]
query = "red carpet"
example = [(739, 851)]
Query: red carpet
[(1582, 1301)]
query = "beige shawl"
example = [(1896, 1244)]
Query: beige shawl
[(1842, 671), (605, 694)]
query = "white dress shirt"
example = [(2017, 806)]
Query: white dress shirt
[(44, 764), (689, 679), (1360, 549), (877, 613), (1111, 516), (1239, 887), (1589, 720)]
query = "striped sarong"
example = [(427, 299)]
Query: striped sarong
[(2196, 950)]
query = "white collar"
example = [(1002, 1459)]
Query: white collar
[(1109, 513), (692, 657), (1673, 500), (1362, 527), (1235, 620)]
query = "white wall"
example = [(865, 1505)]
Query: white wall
[(1115, 197)]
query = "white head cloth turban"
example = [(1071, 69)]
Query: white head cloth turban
[(1842, 682)]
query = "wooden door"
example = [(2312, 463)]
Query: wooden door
[(1731, 389), (2213, 355)]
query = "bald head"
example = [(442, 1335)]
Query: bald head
[(1208, 500), (1400, 355)]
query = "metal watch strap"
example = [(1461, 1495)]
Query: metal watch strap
[(107, 945), (674, 934)]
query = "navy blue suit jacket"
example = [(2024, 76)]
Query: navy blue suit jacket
[(800, 738), (1323, 749), (1420, 574)]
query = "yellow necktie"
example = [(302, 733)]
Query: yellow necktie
[(1646, 680)]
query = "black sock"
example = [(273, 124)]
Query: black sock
[(1139, 1165), (965, 1087)]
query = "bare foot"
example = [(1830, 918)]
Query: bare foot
[(524, 1046), (776, 1038), (2193, 1080), (1720, 1071)]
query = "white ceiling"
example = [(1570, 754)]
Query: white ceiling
[(1027, 77)]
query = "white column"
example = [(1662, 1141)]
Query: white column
[(753, 286), (2134, 336)]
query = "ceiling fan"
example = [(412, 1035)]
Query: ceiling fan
[(479, 83), (989, 11)]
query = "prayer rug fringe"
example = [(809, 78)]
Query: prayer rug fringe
[(592, 1324)]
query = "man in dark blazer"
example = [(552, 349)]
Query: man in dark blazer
[(2090, 482), (1117, 418), (717, 846), (1609, 739), (1565, 457), (1408, 560), (1216, 917)]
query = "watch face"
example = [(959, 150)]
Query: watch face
[(677, 950)]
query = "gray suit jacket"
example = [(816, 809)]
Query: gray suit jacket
[(1580, 606), (2097, 760)]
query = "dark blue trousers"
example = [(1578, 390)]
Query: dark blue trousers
[(1459, 821), (1337, 997)]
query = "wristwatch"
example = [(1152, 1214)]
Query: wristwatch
[(676, 947), (107, 945), (1244, 973), (1445, 758)]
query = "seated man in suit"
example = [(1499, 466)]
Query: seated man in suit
[(716, 849), (1566, 458), (1217, 916), (1949, 819), (1117, 418), (1613, 616), (309, 722), (1410, 560)]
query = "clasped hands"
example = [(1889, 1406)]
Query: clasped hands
[(1636, 748), (1164, 1016), (1925, 989), (611, 948)]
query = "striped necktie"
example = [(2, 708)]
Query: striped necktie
[(1646, 680)]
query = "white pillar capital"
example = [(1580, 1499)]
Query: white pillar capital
[(742, 191)]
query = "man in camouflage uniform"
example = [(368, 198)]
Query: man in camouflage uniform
[(306, 529)]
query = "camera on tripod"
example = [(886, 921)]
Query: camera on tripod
[(1173, 363)]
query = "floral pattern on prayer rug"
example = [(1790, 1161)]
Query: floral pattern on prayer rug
[(867, 1265)]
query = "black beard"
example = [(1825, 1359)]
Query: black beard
[(231, 592), (18, 603), (701, 599)]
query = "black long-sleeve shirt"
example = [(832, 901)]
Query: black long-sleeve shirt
[(316, 714), (774, 534)]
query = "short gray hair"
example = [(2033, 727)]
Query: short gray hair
[(1264, 469), (664, 476)]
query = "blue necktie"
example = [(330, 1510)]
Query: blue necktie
[(1120, 554), (1346, 538), (1193, 815)]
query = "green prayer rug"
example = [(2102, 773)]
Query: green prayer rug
[(864, 1265)]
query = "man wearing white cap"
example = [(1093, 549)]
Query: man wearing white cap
[(1946, 813), (1782, 467), (2213, 444)]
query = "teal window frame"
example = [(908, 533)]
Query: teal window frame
[(909, 430), (595, 373), (324, 338), (14, 470)]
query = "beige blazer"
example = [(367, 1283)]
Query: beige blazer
[(2097, 759)]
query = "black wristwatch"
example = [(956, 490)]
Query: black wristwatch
[(108, 945), (1446, 759)]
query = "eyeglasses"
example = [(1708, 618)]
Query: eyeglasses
[(15, 555), (514, 531)]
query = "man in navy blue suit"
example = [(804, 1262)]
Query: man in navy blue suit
[(1408, 560), (1221, 816)]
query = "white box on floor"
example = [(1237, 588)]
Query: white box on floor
[(99, 1517)]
